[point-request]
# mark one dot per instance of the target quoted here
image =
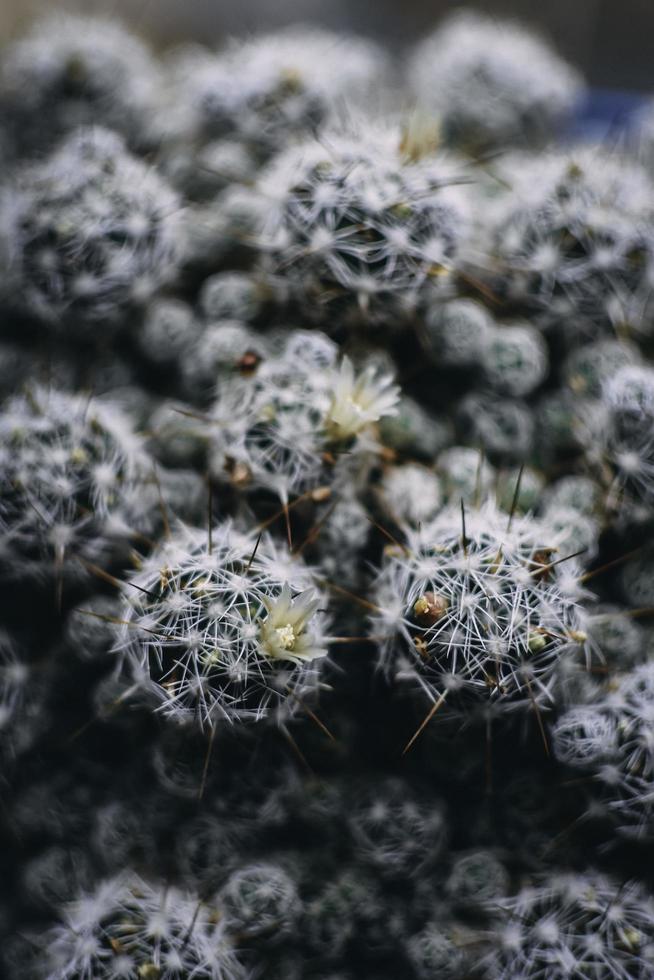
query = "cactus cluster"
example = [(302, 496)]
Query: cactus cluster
[(326, 512)]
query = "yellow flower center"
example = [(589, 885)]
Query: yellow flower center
[(286, 637)]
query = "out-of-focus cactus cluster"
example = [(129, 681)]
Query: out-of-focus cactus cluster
[(326, 512)]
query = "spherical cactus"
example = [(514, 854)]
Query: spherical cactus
[(628, 436), (201, 171), (56, 875), (613, 738), (226, 229), (491, 83), (230, 296), (434, 952), (89, 629), (476, 879), (178, 436), (636, 579), (358, 232), (456, 332), (584, 736), (207, 849), (337, 913), (168, 330), (573, 241), (396, 831), (502, 427), (411, 493), (130, 928), (559, 426), (122, 833), (577, 533), (412, 431), (520, 489), (67, 464), (224, 629), (466, 475), (574, 925), (272, 89), (225, 347), (474, 610), (514, 359), (588, 368), (340, 535), (23, 686), (619, 639), (73, 70), (90, 234), (285, 426), (578, 493), (632, 708), (261, 901)]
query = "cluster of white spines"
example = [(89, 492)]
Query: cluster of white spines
[(261, 901), (395, 831), (68, 464), (411, 494), (354, 223), (514, 359), (90, 232), (475, 603), (274, 427), (491, 83), (433, 952), (221, 627), (628, 436), (575, 925), (574, 237), (274, 88), (131, 928), (73, 70), (613, 738), (22, 695)]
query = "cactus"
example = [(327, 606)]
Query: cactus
[(91, 233), (326, 511), (68, 463), (474, 608), (224, 630), (491, 83), (128, 926), (574, 925), (358, 232)]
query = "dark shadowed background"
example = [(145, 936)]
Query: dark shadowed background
[(611, 40)]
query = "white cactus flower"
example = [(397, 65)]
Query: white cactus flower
[(283, 632), (359, 400)]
